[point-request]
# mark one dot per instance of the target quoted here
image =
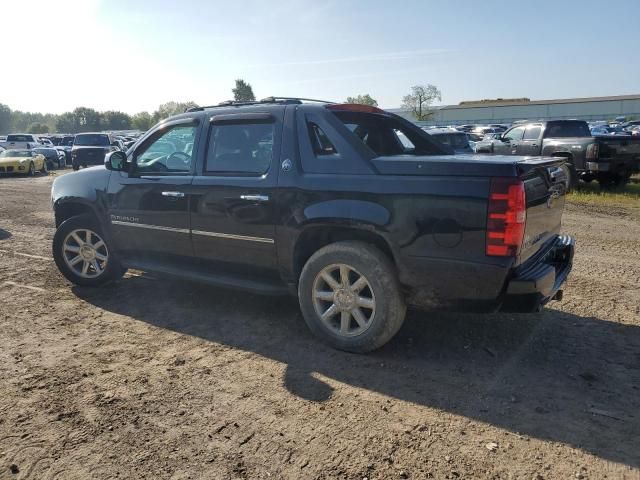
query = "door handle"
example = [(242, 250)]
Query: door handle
[(534, 144), (255, 198), (173, 194)]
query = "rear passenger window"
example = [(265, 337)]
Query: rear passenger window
[(320, 142), (532, 133), (240, 148)]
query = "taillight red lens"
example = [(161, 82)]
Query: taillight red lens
[(506, 217)]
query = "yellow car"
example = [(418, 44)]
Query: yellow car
[(26, 162)]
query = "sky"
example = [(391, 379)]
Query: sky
[(132, 55)]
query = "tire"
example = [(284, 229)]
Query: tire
[(382, 321), (112, 269), (45, 168), (573, 177), (606, 180), (76, 167), (32, 170)]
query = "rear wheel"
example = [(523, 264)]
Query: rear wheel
[(83, 254), (350, 297)]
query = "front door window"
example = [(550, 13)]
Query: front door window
[(169, 152)]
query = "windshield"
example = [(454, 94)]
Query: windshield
[(16, 153), (97, 140)]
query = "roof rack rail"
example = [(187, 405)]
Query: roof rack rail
[(273, 99), (281, 100)]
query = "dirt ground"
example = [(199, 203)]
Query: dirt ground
[(150, 378)]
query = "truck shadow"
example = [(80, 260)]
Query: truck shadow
[(554, 376)]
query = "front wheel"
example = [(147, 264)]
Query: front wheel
[(83, 254), (32, 170), (45, 168), (350, 297)]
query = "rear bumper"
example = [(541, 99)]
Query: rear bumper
[(540, 280), (613, 165)]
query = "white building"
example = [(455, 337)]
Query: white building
[(506, 111)]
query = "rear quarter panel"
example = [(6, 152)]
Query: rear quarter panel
[(434, 227), (573, 148)]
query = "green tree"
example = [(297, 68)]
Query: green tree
[(420, 99), (87, 120), (171, 108), (38, 127), (365, 99), (5, 118), (142, 121), (111, 120), (66, 123), (243, 92)]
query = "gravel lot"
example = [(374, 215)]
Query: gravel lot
[(150, 378)]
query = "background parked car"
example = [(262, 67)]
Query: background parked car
[(64, 143), (485, 145), (53, 157), (22, 161), (90, 149), (20, 141), (455, 139)]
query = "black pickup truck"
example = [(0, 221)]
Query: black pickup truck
[(608, 159), (326, 202)]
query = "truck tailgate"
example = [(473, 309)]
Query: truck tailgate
[(545, 181)]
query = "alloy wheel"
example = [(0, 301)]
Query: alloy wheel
[(85, 253), (344, 300)]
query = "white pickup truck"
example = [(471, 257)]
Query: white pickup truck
[(21, 141)]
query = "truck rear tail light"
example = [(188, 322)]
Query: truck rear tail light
[(593, 149), (506, 217)]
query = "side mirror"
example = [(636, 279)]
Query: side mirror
[(116, 161)]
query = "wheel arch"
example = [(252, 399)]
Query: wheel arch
[(318, 235), (64, 210)]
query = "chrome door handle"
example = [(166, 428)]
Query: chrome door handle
[(255, 198), (173, 194)]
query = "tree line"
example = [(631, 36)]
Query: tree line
[(84, 119)]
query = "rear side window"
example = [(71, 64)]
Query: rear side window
[(402, 138), (387, 135), (567, 129), (244, 148), (319, 141), (19, 138), (532, 133)]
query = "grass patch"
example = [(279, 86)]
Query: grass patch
[(627, 195)]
